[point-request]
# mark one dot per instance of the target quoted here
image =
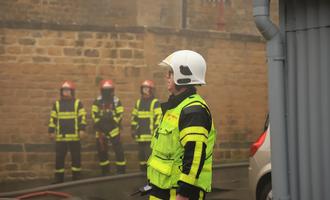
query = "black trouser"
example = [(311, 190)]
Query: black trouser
[(102, 150), (61, 148), (169, 194), (144, 153)]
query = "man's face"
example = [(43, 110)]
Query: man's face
[(170, 82), (146, 91), (66, 92)]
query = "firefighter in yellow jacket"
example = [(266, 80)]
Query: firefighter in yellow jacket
[(107, 113), (180, 166), (67, 125), (145, 119)]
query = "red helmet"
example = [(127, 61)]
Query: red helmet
[(148, 83), (107, 84), (69, 85)]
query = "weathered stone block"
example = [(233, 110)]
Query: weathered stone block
[(91, 53)]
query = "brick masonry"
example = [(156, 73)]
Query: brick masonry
[(234, 16), (39, 51), (35, 61)]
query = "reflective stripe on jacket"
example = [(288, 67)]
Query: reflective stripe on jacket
[(145, 118), (67, 118)]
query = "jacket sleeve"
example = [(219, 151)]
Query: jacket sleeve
[(134, 116), (194, 125), (157, 114), (119, 113), (96, 115), (81, 117), (52, 120)]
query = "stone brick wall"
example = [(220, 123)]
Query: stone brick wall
[(234, 16), (82, 12), (34, 60)]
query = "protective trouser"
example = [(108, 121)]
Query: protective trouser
[(102, 150), (144, 153), (170, 194), (61, 149)]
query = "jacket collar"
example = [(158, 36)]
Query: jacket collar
[(174, 101)]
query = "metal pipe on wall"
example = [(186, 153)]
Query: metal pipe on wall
[(275, 58)]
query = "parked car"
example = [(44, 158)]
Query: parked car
[(260, 178)]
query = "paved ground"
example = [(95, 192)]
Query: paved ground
[(229, 183)]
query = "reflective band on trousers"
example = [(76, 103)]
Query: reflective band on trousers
[(121, 163)]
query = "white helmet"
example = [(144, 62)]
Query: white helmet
[(188, 67)]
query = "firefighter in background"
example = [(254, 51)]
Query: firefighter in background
[(67, 125), (145, 119), (107, 113)]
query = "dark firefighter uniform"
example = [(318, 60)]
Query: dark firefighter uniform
[(145, 119), (67, 119), (181, 159), (107, 115)]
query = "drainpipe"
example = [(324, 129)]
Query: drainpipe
[(184, 10), (276, 95)]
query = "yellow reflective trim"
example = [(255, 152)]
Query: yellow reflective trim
[(153, 198), (67, 116), (120, 109), (57, 106), (95, 108), (193, 138), (134, 111), (114, 132), (196, 104), (192, 130), (172, 194), (53, 114), (68, 135), (134, 123), (104, 163), (187, 179), (144, 138), (59, 170), (144, 114), (143, 162), (158, 111), (122, 163), (66, 139), (76, 169), (76, 105), (82, 112), (197, 158), (51, 123), (201, 195), (191, 177)]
